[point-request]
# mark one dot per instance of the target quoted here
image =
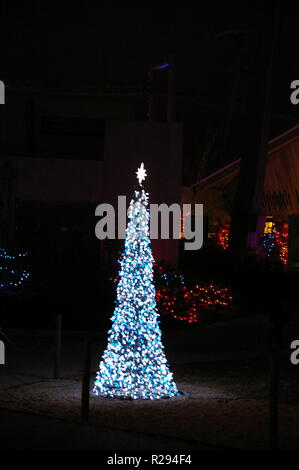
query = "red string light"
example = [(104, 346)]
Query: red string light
[(281, 238), (187, 304), (223, 236)]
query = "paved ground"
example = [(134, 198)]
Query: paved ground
[(26, 431), (230, 356)]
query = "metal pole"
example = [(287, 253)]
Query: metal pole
[(171, 90), (58, 337), (274, 394), (85, 383), (151, 105)]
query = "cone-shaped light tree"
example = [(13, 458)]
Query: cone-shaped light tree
[(134, 364)]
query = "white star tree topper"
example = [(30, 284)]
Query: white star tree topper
[(141, 173)]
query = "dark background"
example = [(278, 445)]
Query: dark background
[(95, 61), (80, 47)]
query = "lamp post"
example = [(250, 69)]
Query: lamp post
[(171, 92)]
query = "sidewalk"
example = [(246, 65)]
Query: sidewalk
[(24, 431), (223, 358)]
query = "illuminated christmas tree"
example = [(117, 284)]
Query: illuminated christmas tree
[(134, 364)]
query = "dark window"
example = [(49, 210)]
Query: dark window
[(72, 126), (71, 137)]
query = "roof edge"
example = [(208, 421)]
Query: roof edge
[(272, 145)]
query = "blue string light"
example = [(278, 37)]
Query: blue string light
[(11, 277), (134, 365), (269, 244)]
